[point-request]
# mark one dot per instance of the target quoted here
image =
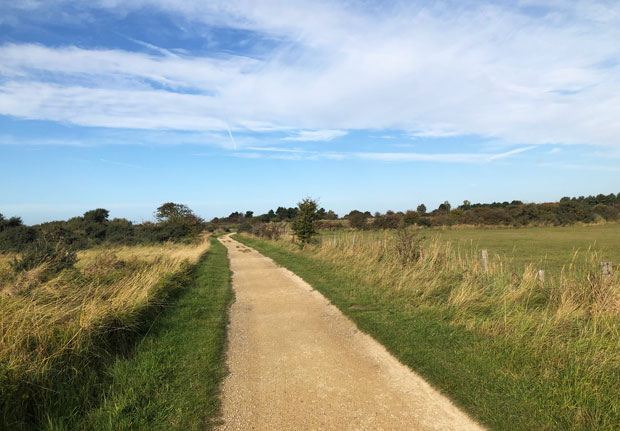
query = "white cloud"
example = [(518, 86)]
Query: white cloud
[(441, 70), (297, 154), (316, 135)]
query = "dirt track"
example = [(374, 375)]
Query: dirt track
[(296, 363)]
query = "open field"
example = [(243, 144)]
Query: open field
[(548, 248), (515, 352), (57, 330)]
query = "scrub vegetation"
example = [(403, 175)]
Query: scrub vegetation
[(516, 351)]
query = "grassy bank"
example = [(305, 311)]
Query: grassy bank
[(516, 353), (58, 332), (172, 381)]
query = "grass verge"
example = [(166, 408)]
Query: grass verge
[(171, 383), (506, 376)]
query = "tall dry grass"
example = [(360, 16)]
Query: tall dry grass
[(44, 322)]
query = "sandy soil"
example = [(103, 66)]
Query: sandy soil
[(296, 363)]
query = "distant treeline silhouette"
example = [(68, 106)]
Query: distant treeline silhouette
[(174, 222)]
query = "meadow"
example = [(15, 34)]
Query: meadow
[(517, 352), (59, 330), (546, 247)]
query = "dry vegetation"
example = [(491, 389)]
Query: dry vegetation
[(49, 320)]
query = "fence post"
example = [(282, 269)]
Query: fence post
[(606, 269), (485, 258), (541, 275), (421, 252), (353, 241)]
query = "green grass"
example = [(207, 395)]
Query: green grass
[(172, 380), (510, 369), (549, 248), (552, 247)]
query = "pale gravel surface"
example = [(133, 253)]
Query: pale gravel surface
[(297, 363)]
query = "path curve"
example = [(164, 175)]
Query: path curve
[(297, 363)]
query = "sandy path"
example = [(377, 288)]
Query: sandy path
[(296, 363)]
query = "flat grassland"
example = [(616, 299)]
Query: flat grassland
[(548, 248), (517, 352)]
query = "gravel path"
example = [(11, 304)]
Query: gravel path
[(296, 363)]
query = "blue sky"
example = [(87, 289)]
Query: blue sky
[(248, 105)]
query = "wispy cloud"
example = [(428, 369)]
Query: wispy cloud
[(297, 154), (492, 69), (316, 135)]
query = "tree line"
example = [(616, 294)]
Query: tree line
[(174, 222)]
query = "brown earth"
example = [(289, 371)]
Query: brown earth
[(297, 363)]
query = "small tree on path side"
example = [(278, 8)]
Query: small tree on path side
[(303, 225)]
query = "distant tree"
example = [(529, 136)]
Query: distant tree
[(466, 205), (331, 215), (444, 207), (282, 213), (249, 214), (421, 209), (170, 210), (303, 225), (357, 219), (99, 215), (411, 217)]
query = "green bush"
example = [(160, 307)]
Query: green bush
[(57, 257), (303, 225)]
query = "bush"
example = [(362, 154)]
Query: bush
[(16, 239), (246, 226), (303, 225), (56, 257), (408, 246)]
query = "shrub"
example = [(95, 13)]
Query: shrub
[(303, 225), (408, 246), (245, 227), (57, 257), (16, 239)]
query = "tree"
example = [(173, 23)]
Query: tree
[(466, 205), (444, 207), (249, 214), (99, 215), (357, 219), (170, 211), (411, 217), (421, 209), (303, 225)]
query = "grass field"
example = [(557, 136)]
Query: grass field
[(517, 353), (548, 248), (57, 332)]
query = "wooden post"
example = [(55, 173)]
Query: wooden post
[(421, 252), (541, 275), (485, 258), (606, 269), (354, 241)]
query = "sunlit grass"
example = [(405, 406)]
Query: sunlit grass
[(49, 323)]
